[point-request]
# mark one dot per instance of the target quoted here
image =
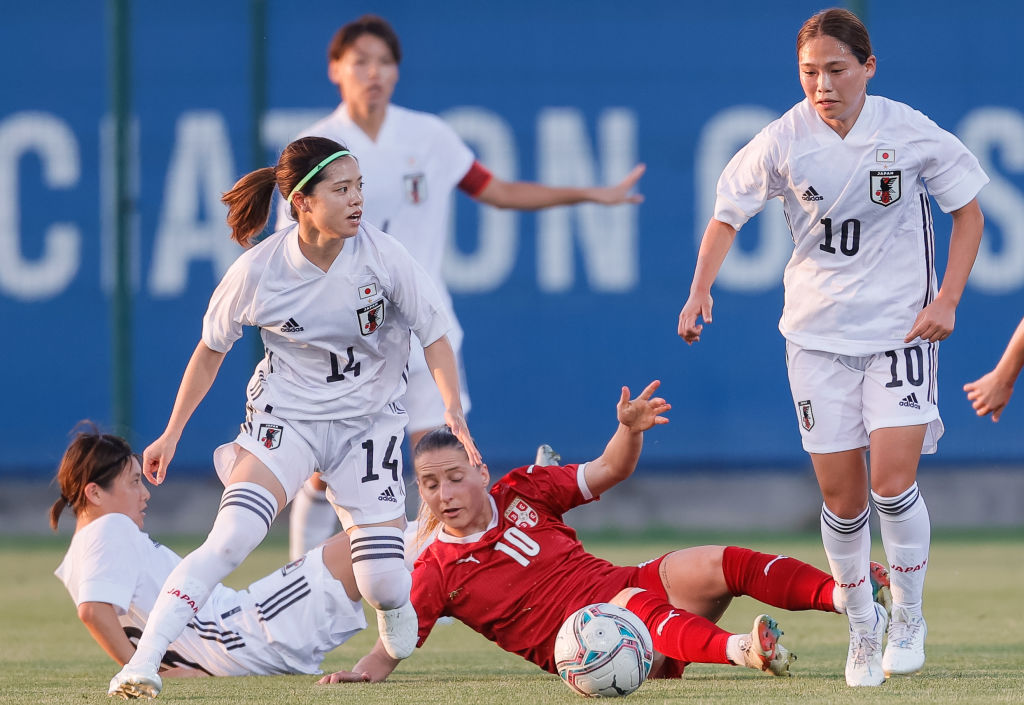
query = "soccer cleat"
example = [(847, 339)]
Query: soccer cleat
[(880, 586), (399, 630), (762, 650), (864, 661), (904, 654), (546, 456), (135, 682)]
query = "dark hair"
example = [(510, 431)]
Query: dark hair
[(249, 199), (91, 457), (367, 24), (839, 24), (438, 439)]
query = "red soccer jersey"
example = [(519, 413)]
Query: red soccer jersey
[(516, 582)]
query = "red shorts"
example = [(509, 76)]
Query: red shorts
[(648, 577)]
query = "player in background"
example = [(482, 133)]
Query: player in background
[(991, 393), (336, 301), (412, 162), (284, 623), (505, 563), (862, 317)]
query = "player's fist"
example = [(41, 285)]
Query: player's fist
[(698, 305)]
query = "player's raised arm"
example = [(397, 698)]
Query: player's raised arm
[(376, 666), (620, 456), (714, 246)]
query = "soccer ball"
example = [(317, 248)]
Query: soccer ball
[(603, 650)]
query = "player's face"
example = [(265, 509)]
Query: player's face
[(127, 494), (366, 74), (454, 490), (336, 202), (834, 81)]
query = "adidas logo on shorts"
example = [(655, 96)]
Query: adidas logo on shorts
[(811, 195), (291, 326), (911, 401), (387, 495)]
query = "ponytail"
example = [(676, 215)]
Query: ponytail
[(248, 204)]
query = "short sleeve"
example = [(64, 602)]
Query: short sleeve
[(229, 307), (949, 170), (418, 299), (452, 152), (109, 564), (557, 489), (747, 182)]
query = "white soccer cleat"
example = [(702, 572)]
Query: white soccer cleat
[(904, 654), (135, 682), (762, 650), (546, 456), (864, 662), (399, 630)]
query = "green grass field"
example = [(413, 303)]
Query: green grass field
[(972, 601)]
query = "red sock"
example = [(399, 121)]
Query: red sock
[(777, 580), (677, 633)]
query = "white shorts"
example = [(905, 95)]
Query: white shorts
[(841, 399), (290, 619), (360, 459), (423, 402)]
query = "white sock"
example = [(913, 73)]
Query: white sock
[(906, 536), (847, 545), (311, 522), (243, 520), (378, 561)]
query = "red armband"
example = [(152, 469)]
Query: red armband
[(476, 179)]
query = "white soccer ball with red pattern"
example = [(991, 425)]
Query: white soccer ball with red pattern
[(603, 650)]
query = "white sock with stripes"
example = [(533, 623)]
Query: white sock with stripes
[(906, 536), (378, 561), (311, 522), (243, 520), (847, 545)]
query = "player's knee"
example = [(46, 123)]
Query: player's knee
[(388, 590)]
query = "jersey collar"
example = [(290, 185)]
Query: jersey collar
[(472, 538)]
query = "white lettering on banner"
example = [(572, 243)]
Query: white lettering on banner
[(747, 270), (607, 235), (986, 131), (489, 266), (192, 225), (54, 143)]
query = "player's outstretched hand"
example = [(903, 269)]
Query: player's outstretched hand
[(157, 457), (344, 677), (989, 395), (641, 413), (620, 192), (697, 305), (934, 323), (456, 421)]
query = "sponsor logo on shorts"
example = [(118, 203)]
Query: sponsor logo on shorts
[(270, 435), (388, 495), (911, 401), (806, 414), (811, 195), (294, 565), (291, 326), (521, 514)]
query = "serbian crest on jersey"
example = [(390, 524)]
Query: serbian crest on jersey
[(806, 414), (371, 317), (270, 435), (885, 187), (521, 514), (415, 187)]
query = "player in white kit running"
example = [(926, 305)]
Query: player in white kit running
[(337, 302), (412, 162), (284, 623), (863, 314)]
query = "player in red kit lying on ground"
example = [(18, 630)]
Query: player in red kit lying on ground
[(505, 563)]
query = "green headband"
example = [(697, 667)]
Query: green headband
[(316, 170)]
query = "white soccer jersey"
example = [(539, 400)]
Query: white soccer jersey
[(337, 342), (863, 262), (284, 623), (410, 172)]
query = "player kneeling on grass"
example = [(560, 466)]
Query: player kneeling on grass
[(284, 623), (505, 563)]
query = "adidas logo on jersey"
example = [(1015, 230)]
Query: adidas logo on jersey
[(811, 195), (291, 326), (387, 495), (911, 401)]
